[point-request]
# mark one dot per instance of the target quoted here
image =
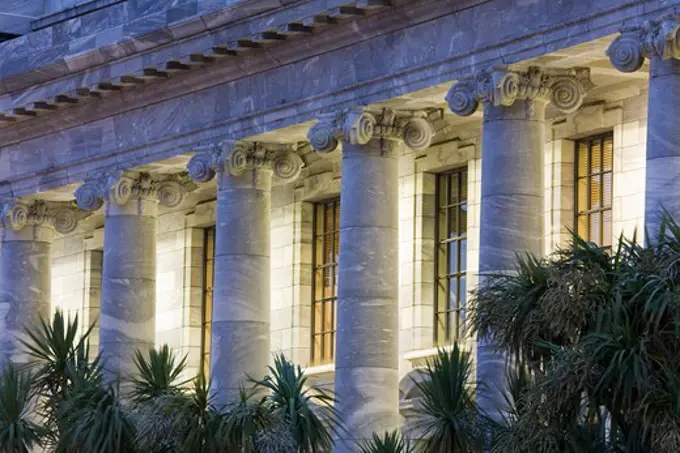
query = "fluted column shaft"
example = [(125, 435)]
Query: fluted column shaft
[(128, 296), (367, 357), (241, 290), (25, 276)]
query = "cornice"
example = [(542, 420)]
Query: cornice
[(191, 54)]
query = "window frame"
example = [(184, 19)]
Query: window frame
[(209, 235), (451, 337), (588, 212), (331, 205)]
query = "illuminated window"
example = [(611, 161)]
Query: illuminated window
[(325, 285), (206, 316), (594, 184), (451, 256)]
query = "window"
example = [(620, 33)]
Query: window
[(325, 283), (451, 256), (594, 177), (206, 315)]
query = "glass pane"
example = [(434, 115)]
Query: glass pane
[(594, 234), (582, 198), (442, 261), (441, 328), (608, 154), (328, 321), (453, 294), (318, 317), (318, 218), (582, 159), (607, 190), (328, 280), (442, 226), (336, 207), (582, 226), (454, 183), (462, 292), (208, 308), (318, 349), (327, 346), (453, 257), (463, 255), (463, 185), (335, 283), (336, 239), (453, 222), (318, 284), (595, 156), (443, 190), (463, 213), (442, 295), (595, 201), (607, 228)]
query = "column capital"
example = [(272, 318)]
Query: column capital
[(235, 158), (62, 216), (657, 38), (502, 87), (359, 125), (119, 187)]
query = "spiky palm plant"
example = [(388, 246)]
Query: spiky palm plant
[(308, 411), (389, 442), (158, 374), (58, 357), (447, 414), (93, 418), (19, 431)]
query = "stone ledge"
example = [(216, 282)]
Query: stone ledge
[(72, 12)]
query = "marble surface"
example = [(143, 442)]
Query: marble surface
[(388, 58), (367, 338), (241, 289)]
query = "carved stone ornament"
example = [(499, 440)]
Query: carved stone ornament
[(62, 216), (238, 157), (501, 87), (660, 38), (122, 186), (359, 126)]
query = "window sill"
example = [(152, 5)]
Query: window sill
[(320, 369)]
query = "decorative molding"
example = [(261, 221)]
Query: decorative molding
[(502, 87), (236, 158), (659, 38), (261, 39), (358, 126), (62, 216), (119, 187)]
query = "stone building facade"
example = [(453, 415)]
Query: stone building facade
[(322, 178)]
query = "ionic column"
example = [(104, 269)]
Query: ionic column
[(241, 290), (512, 207), (128, 294), (367, 339), (27, 229), (658, 41)]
